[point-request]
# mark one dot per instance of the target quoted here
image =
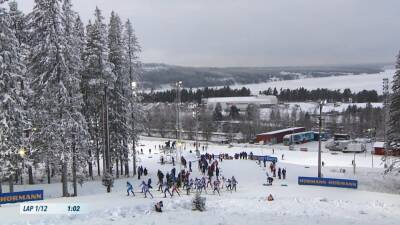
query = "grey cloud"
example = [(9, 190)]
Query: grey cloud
[(258, 32)]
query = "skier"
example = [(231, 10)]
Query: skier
[(228, 185), (129, 188), (197, 184), (173, 172), (209, 182), (189, 186), (217, 172), (234, 183), (190, 166), (284, 173), (279, 173), (203, 185), (223, 182), (145, 189), (173, 161), (166, 189), (216, 186), (145, 172), (149, 151), (175, 189), (149, 183), (283, 156), (160, 176)]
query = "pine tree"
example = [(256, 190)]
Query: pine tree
[(97, 77), (119, 95), (12, 114), (54, 70), (393, 133), (18, 23), (74, 63), (133, 68)]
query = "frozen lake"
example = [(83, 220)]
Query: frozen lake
[(354, 82)]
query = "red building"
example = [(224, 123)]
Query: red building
[(276, 136), (379, 148)]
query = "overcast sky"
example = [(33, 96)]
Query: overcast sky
[(257, 32)]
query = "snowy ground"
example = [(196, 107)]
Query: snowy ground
[(377, 200)]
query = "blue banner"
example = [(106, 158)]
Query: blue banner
[(266, 158), (23, 196), (328, 182)]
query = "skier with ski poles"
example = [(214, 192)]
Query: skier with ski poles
[(175, 189), (234, 183), (129, 188), (166, 189), (146, 189), (216, 186)]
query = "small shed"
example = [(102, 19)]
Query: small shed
[(379, 148)]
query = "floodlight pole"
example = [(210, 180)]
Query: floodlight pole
[(321, 103)]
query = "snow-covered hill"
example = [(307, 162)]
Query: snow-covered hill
[(293, 204)]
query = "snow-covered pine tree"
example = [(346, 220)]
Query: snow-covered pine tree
[(133, 67), (55, 84), (18, 23), (118, 96), (12, 114), (74, 63), (393, 133), (199, 203), (97, 76)]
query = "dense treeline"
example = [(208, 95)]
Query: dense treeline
[(285, 95), (66, 94), (189, 95), (302, 94)]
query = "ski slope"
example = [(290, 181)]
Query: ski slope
[(377, 200)]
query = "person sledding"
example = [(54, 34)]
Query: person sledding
[(270, 198), (158, 206), (270, 180)]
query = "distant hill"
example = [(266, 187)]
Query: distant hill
[(159, 75)]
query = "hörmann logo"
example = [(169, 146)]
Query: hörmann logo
[(328, 182), (23, 196)]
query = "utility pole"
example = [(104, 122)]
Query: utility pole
[(321, 103), (178, 121), (354, 164), (196, 117)]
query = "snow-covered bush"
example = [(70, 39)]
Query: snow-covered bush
[(199, 203)]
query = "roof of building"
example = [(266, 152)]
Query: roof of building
[(271, 99), (281, 131), (379, 144)]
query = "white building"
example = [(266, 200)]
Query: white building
[(241, 103)]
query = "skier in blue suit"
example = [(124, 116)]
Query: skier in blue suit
[(129, 188)]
